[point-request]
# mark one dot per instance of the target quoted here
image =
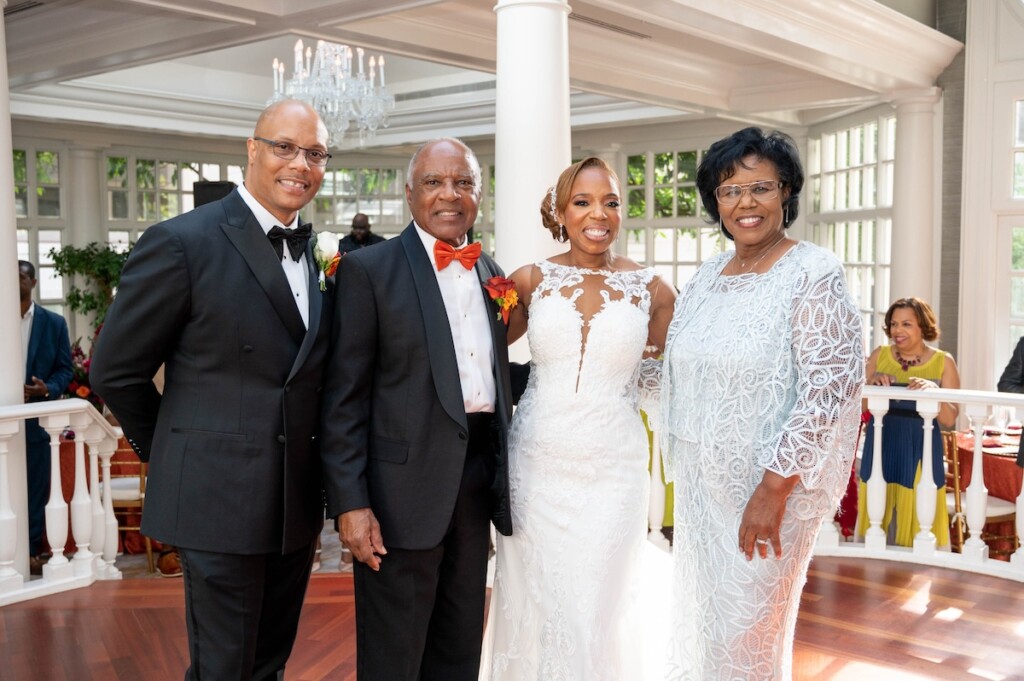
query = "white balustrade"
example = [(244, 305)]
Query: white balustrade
[(92, 519), (976, 407)]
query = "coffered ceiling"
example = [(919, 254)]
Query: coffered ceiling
[(203, 66)]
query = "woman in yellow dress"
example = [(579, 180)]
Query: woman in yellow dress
[(909, 361)]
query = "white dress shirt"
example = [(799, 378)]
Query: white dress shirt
[(463, 296), (26, 335), (295, 270)]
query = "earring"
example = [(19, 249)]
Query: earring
[(785, 216)]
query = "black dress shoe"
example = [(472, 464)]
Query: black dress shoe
[(35, 565)]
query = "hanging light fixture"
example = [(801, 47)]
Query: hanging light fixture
[(335, 82)]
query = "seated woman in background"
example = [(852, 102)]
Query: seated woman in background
[(908, 361)]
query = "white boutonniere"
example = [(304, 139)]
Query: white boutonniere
[(325, 252)]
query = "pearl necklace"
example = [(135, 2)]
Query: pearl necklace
[(745, 268)]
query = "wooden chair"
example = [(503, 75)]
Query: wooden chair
[(128, 495), (996, 510)]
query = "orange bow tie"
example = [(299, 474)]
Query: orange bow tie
[(444, 254)]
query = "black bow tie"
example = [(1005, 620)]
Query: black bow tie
[(296, 239)]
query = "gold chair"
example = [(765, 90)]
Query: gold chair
[(996, 510), (128, 495)]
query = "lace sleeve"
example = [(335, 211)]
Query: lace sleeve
[(828, 358), (649, 389)]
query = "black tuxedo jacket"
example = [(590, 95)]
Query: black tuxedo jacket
[(232, 445), (49, 360), (395, 429)]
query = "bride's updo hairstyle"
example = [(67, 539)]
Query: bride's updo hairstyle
[(557, 197)]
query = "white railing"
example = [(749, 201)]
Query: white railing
[(92, 515), (976, 407)]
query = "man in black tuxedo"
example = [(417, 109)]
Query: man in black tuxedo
[(361, 235), (48, 371), (230, 303), (416, 413)]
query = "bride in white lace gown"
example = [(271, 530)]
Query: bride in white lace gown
[(567, 581)]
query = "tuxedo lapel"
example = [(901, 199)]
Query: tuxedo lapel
[(316, 303), (440, 346), (245, 233), (499, 339)]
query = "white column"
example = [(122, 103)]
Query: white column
[(914, 223), (12, 368), (532, 134), (85, 217)]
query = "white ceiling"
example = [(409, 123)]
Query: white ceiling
[(203, 66)]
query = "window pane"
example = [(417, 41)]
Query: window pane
[(20, 167), (48, 205), (711, 242), (1019, 142), (168, 175), (21, 202), (189, 176), (145, 174), (118, 239), (663, 202), (1017, 297), (235, 174), (211, 172), (391, 211), (168, 205), (47, 167), (686, 167), (1017, 249), (663, 245), (49, 239), (22, 237), (1018, 175), (686, 245), (636, 170), (684, 273), (51, 286), (637, 204), (118, 205), (686, 201), (388, 179), (636, 245), (117, 172), (369, 181), (188, 202), (871, 143), (146, 208), (345, 181), (663, 168)]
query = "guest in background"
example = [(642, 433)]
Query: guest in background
[(1012, 379), (48, 370), (234, 465), (761, 405), (908, 361), (360, 236)]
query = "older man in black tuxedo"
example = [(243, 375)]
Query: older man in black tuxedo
[(227, 297), (416, 413)]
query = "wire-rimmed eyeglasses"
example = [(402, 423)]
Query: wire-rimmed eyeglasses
[(288, 151), (762, 190)]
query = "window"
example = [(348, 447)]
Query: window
[(664, 224), (1016, 325), (849, 187), (378, 193), (143, 190), (40, 218)]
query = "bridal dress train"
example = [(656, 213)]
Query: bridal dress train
[(566, 603)]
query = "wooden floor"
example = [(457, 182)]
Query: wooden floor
[(859, 620)]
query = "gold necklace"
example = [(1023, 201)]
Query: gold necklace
[(745, 268)]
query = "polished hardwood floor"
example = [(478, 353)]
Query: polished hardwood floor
[(859, 620)]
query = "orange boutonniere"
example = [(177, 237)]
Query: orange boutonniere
[(503, 293)]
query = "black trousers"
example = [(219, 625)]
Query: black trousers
[(242, 612), (420, 618), (37, 470)]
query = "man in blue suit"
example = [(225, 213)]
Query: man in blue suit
[(48, 371)]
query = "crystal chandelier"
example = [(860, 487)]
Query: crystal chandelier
[(333, 81)]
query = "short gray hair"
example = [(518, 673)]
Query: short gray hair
[(474, 164)]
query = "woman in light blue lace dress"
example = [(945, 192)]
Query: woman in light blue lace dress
[(760, 405)]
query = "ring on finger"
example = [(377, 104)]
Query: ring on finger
[(761, 540)]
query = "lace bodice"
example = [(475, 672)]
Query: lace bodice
[(587, 333)]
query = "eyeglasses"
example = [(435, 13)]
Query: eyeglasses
[(763, 190), (288, 151)]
